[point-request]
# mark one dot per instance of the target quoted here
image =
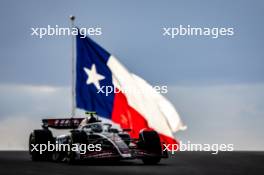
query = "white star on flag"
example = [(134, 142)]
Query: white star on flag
[(93, 76)]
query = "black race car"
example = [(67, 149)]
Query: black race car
[(107, 142)]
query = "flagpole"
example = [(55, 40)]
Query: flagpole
[(72, 18)]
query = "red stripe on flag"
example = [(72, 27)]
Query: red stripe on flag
[(128, 117)]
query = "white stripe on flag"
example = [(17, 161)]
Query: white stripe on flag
[(156, 109)]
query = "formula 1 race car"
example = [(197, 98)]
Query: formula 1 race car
[(107, 142)]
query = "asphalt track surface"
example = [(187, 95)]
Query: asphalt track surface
[(19, 163)]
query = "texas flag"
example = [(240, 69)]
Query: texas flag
[(104, 85)]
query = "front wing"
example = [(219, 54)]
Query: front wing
[(132, 153)]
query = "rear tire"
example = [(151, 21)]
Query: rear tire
[(40, 136)]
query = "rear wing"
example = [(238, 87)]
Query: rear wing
[(62, 123)]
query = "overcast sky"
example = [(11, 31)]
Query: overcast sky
[(217, 85)]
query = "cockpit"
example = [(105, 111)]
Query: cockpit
[(99, 127), (93, 127)]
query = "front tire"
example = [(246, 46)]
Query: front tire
[(150, 142)]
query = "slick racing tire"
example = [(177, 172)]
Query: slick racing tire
[(150, 142), (37, 137), (75, 138)]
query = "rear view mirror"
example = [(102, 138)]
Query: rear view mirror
[(127, 130), (113, 130)]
